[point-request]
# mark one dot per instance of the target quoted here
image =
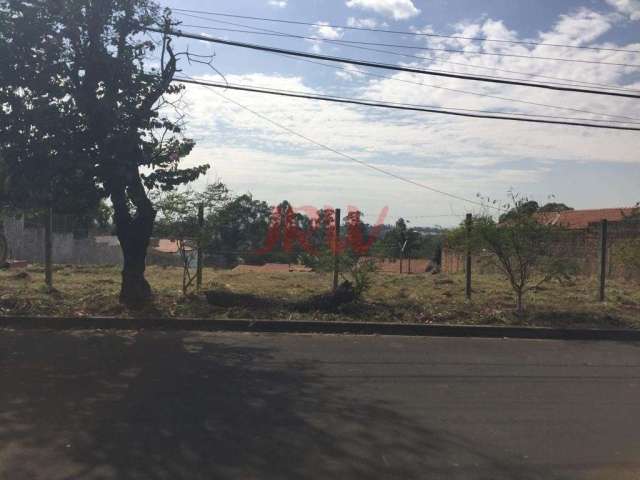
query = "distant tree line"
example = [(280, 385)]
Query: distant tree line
[(243, 229)]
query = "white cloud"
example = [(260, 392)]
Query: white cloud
[(362, 22), (627, 7), (397, 9), (324, 30), (278, 3), (349, 72), (461, 156), (581, 28)]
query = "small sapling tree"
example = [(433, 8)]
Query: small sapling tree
[(178, 220), (522, 246)]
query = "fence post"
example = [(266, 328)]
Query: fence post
[(336, 245), (48, 248), (199, 253), (467, 270), (603, 259)]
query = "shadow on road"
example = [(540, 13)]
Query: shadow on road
[(179, 406)]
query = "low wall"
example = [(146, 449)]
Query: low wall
[(27, 243)]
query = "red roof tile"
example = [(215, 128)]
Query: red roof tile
[(576, 219), (166, 245)]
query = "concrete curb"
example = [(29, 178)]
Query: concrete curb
[(288, 326)]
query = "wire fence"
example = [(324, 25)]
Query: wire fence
[(581, 247)]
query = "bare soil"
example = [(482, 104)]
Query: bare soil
[(420, 298)]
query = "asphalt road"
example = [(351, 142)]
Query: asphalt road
[(92, 405)]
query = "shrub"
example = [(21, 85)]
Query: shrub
[(353, 268), (520, 246), (627, 254)]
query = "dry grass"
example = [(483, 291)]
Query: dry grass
[(420, 298)]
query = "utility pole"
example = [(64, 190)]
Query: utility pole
[(199, 244), (336, 246), (603, 259), (48, 248), (48, 233), (467, 269)]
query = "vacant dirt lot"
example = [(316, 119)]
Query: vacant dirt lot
[(421, 298)]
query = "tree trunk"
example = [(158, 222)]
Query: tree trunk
[(134, 233), (134, 241)]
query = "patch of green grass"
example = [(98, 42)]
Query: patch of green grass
[(423, 298)]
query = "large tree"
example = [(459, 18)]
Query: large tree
[(120, 142), (38, 123), (240, 227)]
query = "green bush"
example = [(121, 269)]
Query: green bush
[(626, 254), (521, 247), (353, 268)]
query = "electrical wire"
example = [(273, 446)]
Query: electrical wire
[(408, 107), (466, 92), (386, 66), (431, 49), (400, 32), (353, 159), (485, 95), (388, 52)]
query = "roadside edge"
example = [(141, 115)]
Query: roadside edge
[(317, 327)]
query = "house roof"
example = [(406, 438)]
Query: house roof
[(576, 219), (166, 245)]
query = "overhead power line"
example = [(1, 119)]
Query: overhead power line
[(356, 160), (399, 54), (405, 107), (387, 66), (401, 32), (415, 47), (264, 89), (466, 92)]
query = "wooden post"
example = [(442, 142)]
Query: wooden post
[(603, 259), (48, 248), (199, 253), (336, 246), (467, 270)]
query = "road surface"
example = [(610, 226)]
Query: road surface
[(154, 405)]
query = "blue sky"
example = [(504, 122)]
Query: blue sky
[(583, 168)]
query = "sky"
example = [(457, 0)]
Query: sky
[(584, 168)]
